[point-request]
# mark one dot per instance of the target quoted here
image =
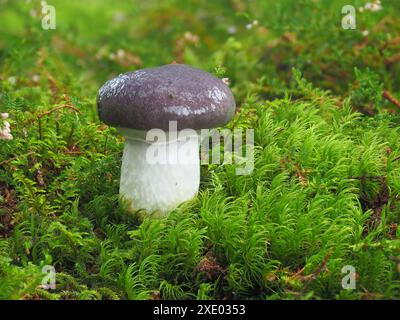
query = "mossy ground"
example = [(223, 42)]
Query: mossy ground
[(324, 192)]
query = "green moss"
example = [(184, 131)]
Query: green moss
[(323, 193)]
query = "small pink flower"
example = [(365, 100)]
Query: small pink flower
[(5, 130)]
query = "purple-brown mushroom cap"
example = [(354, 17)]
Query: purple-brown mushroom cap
[(150, 98)]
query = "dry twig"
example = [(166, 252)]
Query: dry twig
[(388, 96), (14, 158)]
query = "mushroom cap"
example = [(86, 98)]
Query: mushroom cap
[(150, 98)]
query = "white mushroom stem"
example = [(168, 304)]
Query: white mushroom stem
[(159, 170)]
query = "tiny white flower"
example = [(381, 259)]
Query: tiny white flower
[(101, 53), (190, 37), (35, 78), (232, 29), (365, 33), (120, 53), (226, 81), (376, 7), (33, 13), (373, 6), (255, 22), (249, 26), (119, 16), (12, 80), (4, 115)]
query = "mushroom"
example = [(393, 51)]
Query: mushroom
[(174, 99)]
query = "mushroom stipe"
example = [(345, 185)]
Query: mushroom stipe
[(177, 100)]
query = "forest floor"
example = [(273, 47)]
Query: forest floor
[(319, 211)]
